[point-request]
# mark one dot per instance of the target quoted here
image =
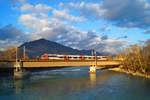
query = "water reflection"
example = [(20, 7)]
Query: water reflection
[(78, 85), (62, 84), (18, 84), (92, 77)]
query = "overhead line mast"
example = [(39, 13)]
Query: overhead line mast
[(24, 52)]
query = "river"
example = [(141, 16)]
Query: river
[(75, 83)]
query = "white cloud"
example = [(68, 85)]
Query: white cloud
[(37, 19), (20, 1), (33, 22), (11, 36), (92, 10), (70, 36), (64, 15), (42, 8), (124, 13), (26, 7), (36, 9), (54, 27)]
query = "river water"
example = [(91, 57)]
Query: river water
[(75, 84)]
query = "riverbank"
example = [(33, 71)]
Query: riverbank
[(119, 69)]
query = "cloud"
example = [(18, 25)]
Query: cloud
[(104, 37), (128, 14), (123, 13), (26, 7), (88, 10), (36, 17), (105, 28), (17, 2), (147, 41), (70, 36), (36, 9), (33, 22), (11, 36), (57, 30), (123, 37), (64, 15), (9, 32), (54, 27), (147, 31)]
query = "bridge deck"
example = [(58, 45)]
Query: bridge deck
[(62, 63), (36, 63)]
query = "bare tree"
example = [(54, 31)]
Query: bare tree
[(137, 58)]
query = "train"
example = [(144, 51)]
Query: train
[(71, 57)]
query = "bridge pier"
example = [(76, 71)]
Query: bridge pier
[(92, 69), (19, 72)]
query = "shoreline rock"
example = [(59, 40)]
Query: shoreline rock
[(130, 72)]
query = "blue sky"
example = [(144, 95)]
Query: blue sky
[(105, 25)]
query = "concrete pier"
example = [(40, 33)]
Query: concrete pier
[(92, 69), (19, 72)]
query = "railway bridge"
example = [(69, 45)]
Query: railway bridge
[(20, 65), (64, 63)]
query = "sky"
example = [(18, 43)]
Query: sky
[(104, 25)]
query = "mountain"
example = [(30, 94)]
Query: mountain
[(38, 47)]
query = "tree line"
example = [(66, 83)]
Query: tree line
[(136, 58), (10, 54)]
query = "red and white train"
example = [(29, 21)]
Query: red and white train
[(71, 57)]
